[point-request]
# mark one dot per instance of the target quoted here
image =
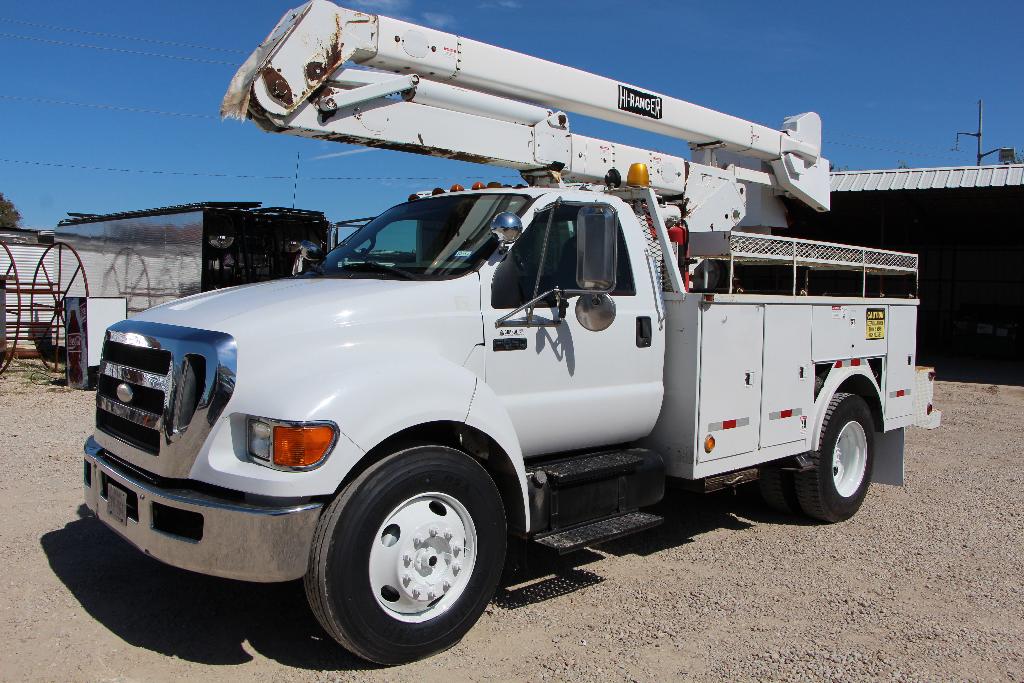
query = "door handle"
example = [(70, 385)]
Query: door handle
[(644, 336)]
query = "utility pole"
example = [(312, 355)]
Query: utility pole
[(1007, 155), (977, 135)]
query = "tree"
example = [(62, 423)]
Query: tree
[(9, 216)]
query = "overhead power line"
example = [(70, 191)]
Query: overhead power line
[(107, 107), (924, 150), (81, 167), (904, 152), (890, 141), (212, 117), (120, 36), (209, 174), (120, 50)]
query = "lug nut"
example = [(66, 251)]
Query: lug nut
[(415, 593), (430, 595), (456, 549), (407, 559), (446, 586), (406, 579), (447, 534), (418, 540), (433, 531), (456, 568)]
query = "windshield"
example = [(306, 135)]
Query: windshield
[(425, 239)]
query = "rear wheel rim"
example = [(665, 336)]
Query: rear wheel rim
[(849, 459), (422, 557)]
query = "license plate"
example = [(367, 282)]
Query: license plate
[(117, 503)]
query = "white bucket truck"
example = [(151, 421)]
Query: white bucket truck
[(534, 362)]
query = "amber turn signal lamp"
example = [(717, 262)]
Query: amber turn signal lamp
[(456, 188), (638, 176), (709, 444), (493, 185), (301, 446), (478, 185)]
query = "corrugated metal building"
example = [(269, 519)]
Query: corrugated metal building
[(967, 223)]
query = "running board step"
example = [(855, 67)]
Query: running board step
[(590, 468), (567, 540)]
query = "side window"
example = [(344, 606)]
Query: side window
[(516, 277)]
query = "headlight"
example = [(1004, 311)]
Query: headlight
[(290, 445)]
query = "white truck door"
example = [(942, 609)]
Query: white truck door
[(566, 387), (730, 379), (787, 389)]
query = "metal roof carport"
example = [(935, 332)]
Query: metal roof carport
[(967, 223)]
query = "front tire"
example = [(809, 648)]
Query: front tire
[(408, 555), (835, 488)]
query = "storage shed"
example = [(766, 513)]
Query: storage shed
[(966, 223)]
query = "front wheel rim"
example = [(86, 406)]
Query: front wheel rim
[(422, 557), (849, 459)]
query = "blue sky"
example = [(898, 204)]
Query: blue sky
[(893, 81)]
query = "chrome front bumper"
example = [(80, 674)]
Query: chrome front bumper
[(202, 532)]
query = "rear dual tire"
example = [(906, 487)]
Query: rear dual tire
[(835, 487), (778, 490)]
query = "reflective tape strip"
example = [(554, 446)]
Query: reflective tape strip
[(852, 363), (728, 424), (783, 414), (900, 392)]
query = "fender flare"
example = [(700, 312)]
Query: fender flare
[(835, 380), (488, 415)]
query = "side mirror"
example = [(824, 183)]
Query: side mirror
[(595, 312), (597, 241), (507, 227), (311, 251)]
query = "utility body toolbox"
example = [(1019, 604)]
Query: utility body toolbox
[(749, 394)]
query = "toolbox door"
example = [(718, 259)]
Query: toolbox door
[(730, 379), (787, 390), (900, 363)]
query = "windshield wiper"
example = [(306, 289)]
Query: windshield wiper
[(376, 266)]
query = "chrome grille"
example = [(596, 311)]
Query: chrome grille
[(145, 412), (146, 372)]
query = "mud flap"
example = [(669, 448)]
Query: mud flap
[(888, 467)]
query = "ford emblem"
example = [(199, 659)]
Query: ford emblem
[(125, 393)]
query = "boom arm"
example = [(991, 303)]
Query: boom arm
[(465, 99)]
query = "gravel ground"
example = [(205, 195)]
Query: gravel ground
[(923, 584)]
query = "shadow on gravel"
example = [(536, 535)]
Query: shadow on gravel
[(194, 617), (210, 620), (535, 574), (543, 574), (688, 515), (563, 583)]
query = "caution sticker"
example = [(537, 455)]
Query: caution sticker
[(875, 322)]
